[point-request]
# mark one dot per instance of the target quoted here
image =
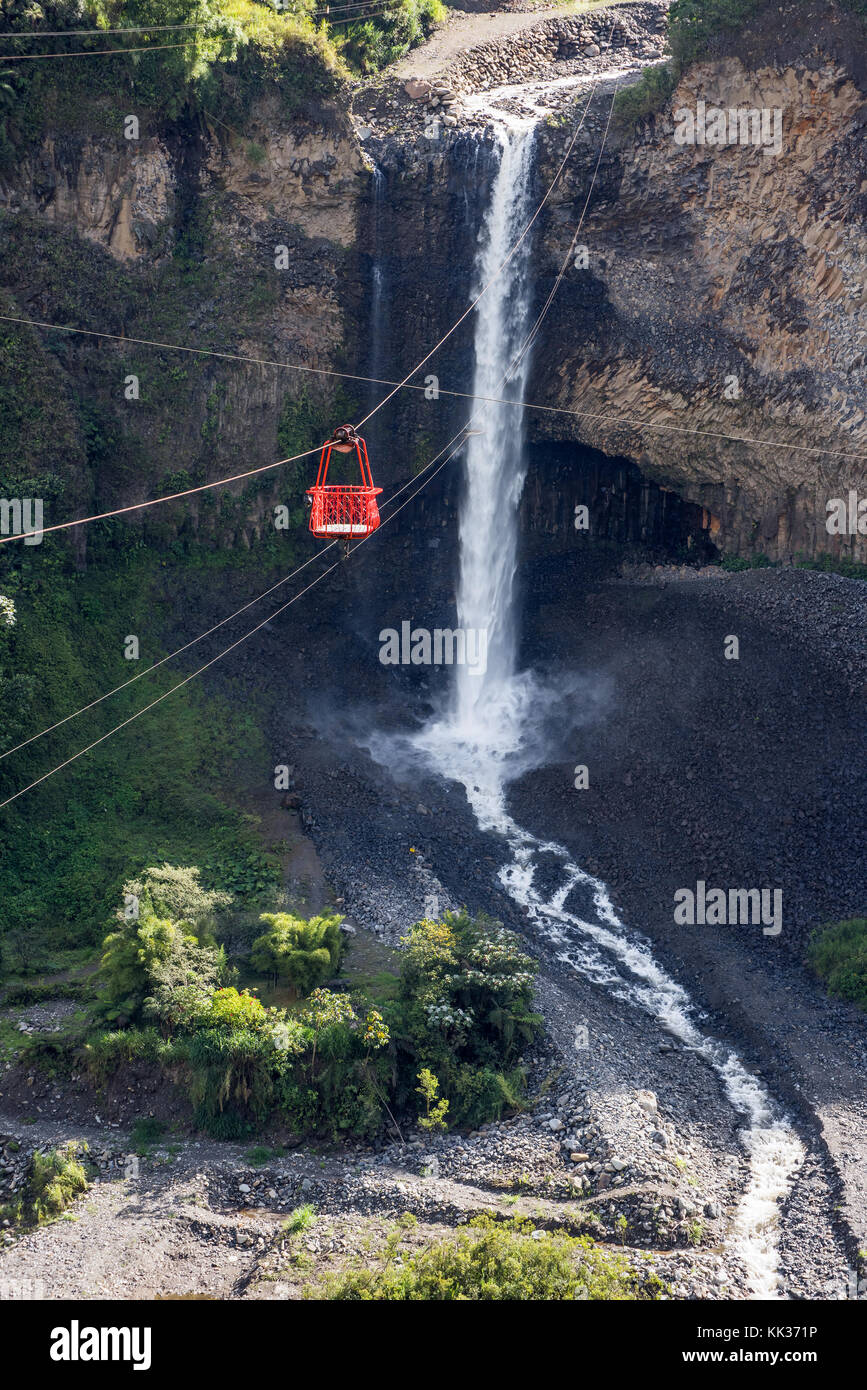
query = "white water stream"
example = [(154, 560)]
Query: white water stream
[(479, 737)]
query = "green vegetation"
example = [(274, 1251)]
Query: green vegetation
[(145, 1132), (692, 27), (258, 1156), (77, 836), (735, 564), (465, 998), (838, 954), (648, 94), (305, 954), (154, 966), (54, 1181), (300, 1220), (692, 24), (234, 51), (834, 564), (334, 1063), (434, 1118), (371, 44), (496, 1261)]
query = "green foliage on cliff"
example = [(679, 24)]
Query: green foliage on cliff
[(648, 94), (692, 27), (148, 793), (372, 44), (229, 52), (231, 49)]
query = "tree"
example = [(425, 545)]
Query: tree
[(305, 953), (183, 984), (174, 891), (325, 1010), (434, 1118), (150, 960)]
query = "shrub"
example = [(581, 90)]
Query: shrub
[(371, 44), (434, 1118), (231, 1078), (838, 954), (235, 1012), (465, 1013), (498, 1261), (153, 959), (56, 1179), (174, 892), (183, 984), (306, 953), (648, 94)]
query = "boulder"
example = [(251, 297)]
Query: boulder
[(417, 89)]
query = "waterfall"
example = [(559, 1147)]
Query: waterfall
[(495, 467), (379, 213), (485, 731), (482, 727)]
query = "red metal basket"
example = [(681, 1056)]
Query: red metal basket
[(344, 509)]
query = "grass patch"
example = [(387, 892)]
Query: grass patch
[(54, 1181), (144, 1133), (496, 1261), (300, 1220), (260, 1155), (838, 954)]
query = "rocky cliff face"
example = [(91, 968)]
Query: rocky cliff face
[(724, 296), (715, 336), (197, 237)]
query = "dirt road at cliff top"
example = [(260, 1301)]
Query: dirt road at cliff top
[(461, 32)]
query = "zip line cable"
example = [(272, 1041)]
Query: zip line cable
[(162, 47), (170, 497), (98, 701), (64, 525), (442, 390), (162, 697), (89, 52), (531, 337)]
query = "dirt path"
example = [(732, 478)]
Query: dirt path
[(461, 32)]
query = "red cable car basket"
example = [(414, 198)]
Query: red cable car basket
[(344, 509)]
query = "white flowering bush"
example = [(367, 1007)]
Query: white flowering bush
[(7, 612), (466, 993)]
